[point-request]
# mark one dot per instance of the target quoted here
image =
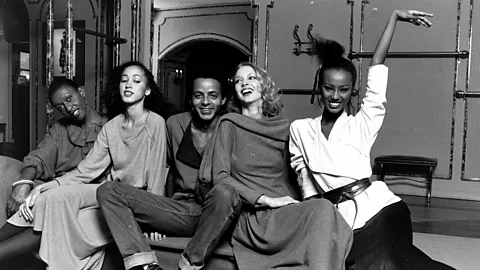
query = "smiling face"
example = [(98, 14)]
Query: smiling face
[(336, 90), (207, 98), (247, 86), (70, 102), (133, 85)]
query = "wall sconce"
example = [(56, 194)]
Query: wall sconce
[(298, 44), (230, 82), (178, 76)]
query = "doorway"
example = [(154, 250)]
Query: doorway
[(15, 83), (176, 68)]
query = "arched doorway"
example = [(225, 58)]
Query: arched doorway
[(176, 67), (14, 78)]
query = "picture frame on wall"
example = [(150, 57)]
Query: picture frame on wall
[(59, 51)]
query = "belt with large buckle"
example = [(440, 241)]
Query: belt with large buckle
[(347, 192)]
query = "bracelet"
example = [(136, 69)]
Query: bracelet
[(20, 182)]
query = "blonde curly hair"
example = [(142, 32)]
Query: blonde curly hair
[(272, 103)]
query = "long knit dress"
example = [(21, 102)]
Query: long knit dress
[(74, 232), (252, 156)]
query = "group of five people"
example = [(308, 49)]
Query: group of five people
[(294, 195)]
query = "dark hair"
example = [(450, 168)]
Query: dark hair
[(154, 102), (330, 55), (220, 78), (272, 98), (58, 83)]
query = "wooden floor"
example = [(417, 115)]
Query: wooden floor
[(444, 216)]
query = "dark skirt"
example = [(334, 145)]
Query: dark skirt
[(386, 242)]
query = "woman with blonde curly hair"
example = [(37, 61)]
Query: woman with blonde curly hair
[(271, 104), (250, 153)]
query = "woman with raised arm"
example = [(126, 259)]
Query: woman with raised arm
[(130, 148), (331, 154), (250, 153)]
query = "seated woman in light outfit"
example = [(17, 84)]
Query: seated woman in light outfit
[(250, 153), (66, 143), (131, 147), (332, 154)]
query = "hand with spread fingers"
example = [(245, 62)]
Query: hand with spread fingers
[(26, 207), (414, 16)]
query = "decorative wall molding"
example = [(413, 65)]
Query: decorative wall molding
[(102, 28), (267, 31), (152, 33), (140, 32), (254, 58), (206, 15), (94, 10), (41, 11), (203, 7), (116, 31), (161, 52), (134, 30), (206, 36)]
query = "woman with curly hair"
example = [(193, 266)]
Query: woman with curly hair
[(250, 153), (271, 104), (130, 149)]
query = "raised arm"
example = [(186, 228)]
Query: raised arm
[(412, 16)]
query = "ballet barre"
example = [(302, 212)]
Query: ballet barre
[(440, 54)]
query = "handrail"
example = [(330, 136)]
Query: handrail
[(114, 40), (467, 94), (440, 54)]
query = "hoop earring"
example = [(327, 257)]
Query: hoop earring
[(350, 107), (354, 93)]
